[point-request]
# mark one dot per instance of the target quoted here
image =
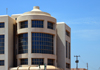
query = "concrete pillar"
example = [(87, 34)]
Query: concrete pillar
[(29, 42), (45, 61), (6, 45), (18, 62), (54, 49), (45, 24), (18, 26)]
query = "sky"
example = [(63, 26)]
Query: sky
[(83, 16)]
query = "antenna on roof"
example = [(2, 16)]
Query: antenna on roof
[(6, 11)]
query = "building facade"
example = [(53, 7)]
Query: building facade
[(34, 38)]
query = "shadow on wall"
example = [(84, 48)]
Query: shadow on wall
[(61, 55)]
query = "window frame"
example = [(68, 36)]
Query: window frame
[(2, 42), (23, 24), (24, 61), (66, 49), (37, 61), (68, 65), (2, 26), (51, 63), (52, 26), (3, 63), (67, 33), (25, 47), (37, 26), (42, 45)]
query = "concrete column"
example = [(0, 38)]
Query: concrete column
[(18, 26), (6, 45), (29, 42), (45, 61), (17, 45), (54, 49), (18, 62), (45, 24)]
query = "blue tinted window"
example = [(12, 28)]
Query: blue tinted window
[(24, 61), (2, 25), (1, 62), (37, 61), (23, 43), (50, 62), (50, 25), (1, 44), (24, 24), (37, 23), (42, 43)]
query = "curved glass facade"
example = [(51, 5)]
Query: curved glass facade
[(23, 43), (24, 24), (37, 23), (1, 44), (50, 25), (42, 43), (37, 61), (24, 61), (50, 62)]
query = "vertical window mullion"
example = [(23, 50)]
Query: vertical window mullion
[(24, 24), (37, 23)]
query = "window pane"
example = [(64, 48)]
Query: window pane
[(67, 65), (1, 44), (24, 24), (1, 62), (24, 61), (50, 25), (66, 49), (41, 43), (2, 25), (23, 43), (37, 61), (50, 62), (68, 33), (37, 23)]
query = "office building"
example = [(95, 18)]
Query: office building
[(32, 39)]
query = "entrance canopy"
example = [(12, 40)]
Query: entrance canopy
[(48, 67)]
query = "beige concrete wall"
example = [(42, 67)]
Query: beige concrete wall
[(15, 16), (2, 32), (10, 41), (8, 32), (68, 39), (30, 30), (61, 45), (5, 55)]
